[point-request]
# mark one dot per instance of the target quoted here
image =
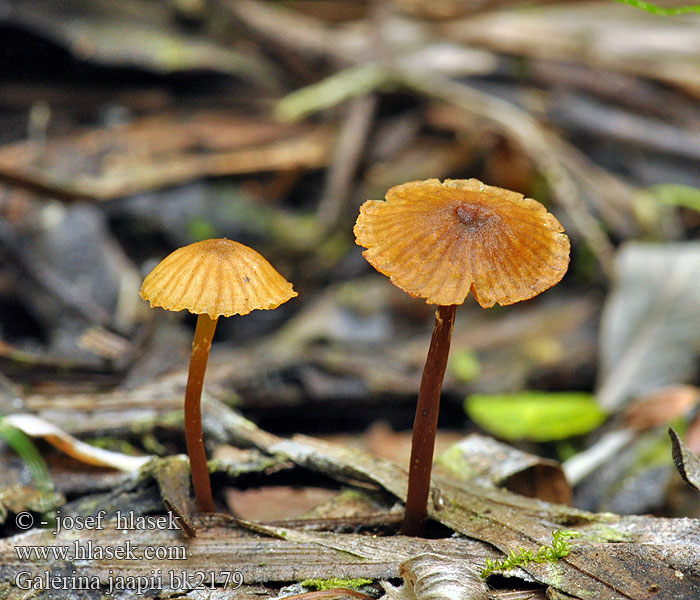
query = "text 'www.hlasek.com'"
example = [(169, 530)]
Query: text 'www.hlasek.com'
[(46, 563)]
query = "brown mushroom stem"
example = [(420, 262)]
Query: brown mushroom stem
[(425, 423), (203, 334)]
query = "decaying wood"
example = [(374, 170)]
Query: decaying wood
[(649, 555), (257, 557), (594, 569), (615, 557)]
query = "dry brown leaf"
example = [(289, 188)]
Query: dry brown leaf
[(161, 151), (661, 406)]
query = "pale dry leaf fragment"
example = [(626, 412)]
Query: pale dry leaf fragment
[(490, 462), (650, 328), (607, 448), (434, 577), (36, 427)]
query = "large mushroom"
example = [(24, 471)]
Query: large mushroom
[(212, 278), (439, 241)]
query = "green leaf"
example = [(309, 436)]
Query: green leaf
[(27, 451), (677, 195), (655, 9), (538, 416)]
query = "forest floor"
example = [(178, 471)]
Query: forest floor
[(566, 459)]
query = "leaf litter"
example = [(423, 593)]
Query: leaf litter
[(453, 102)]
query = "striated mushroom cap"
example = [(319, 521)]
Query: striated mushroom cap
[(439, 241), (216, 277)]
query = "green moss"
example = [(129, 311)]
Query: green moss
[(559, 548), (334, 583)]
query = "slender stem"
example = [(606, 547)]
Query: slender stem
[(425, 423), (203, 334)]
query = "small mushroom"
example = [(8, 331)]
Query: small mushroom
[(211, 278), (439, 241)]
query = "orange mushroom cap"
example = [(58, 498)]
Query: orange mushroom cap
[(216, 277), (439, 241)]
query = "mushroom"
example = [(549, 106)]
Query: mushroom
[(211, 278), (439, 241)]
